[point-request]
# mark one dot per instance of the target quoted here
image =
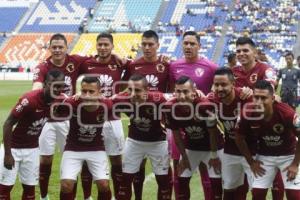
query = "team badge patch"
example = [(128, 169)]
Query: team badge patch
[(113, 67), (253, 78), (278, 128), (70, 67), (160, 68)]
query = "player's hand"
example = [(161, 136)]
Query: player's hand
[(164, 59), (292, 171), (184, 163), (76, 96), (216, 164), (199, 93), (246, 93), (257, 169), (9, 161)]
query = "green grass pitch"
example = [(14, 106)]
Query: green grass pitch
[(10, 91)]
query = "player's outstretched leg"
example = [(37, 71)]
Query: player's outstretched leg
[(104, 192), (86, 181)]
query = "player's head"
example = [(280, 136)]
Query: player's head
[(231, 60), (104, 45), (137, 88), (289, 58), (263, 94), (191, 45), (185, 90), (54, 83), (90, 89), (223, 82), (245, 51), (58, 46), (150, 44)]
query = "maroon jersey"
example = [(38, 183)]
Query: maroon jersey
[(145, 119), (260, 71), (85, 132), (32, 113), (156, 73), (195, 131), (70, 69), (276, 137), (228, 114), (108, 74)]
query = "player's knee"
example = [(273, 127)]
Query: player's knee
[(103, 185), (67, 186), (115, 160), (46, 160)]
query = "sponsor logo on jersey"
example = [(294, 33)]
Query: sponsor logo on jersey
[(105, 80), (152, 80)]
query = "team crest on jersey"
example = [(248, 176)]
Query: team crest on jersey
[(278, 128), (199, 72), (160, 68), (253, 78), (113, 67), (70, 67)]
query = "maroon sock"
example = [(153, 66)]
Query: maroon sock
[(28, 192), (138, 183), (66, 196), (74, 189), (164, 191), (104, 195), (259, 194), (292, 194), (217, 188), (86, 181), (206, 184), (125, 187), (116, 175), (184, 185), (175, 179), (241, 191), (45, 171), (278, 187), (229, 195), (5, 191)]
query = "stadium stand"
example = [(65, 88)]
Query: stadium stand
[(124, 16), (58, 16), (10, 16), (27, 50), (125, 44)]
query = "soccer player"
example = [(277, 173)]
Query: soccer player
[(228, 100), (290, 77), (200, 144), (246, 75), (85, 142), (156, 70), (276, 126), (105, 67), (145, 136), (201, 71), (21, 150), (55, 131)]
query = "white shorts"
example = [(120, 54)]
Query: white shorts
[(72, 162), (27, 162), (53, 133), (113, 137), (135, 151), (233, 171), (271, 164), (195, 158)]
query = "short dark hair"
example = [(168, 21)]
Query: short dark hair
[(231, 56), (225, 71), (105, 35), (184, 79), (289, 53), (58, 36), (264, 85), (192, 33), (139, 77), (54, 73), (91, 79), (151, 34), (245, 40)]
